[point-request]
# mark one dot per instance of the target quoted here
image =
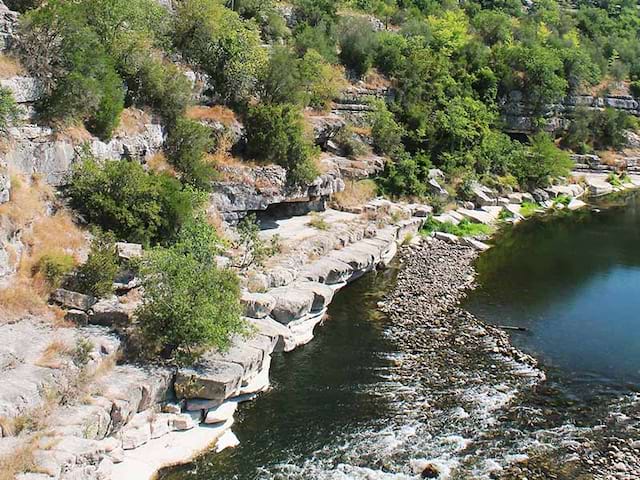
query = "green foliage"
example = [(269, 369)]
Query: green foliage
[(406, 175), (79, 51), (226, 47), (357, 45), (350, 145), (81, 353), (306, 81), (385, 131), (315, 12), (464, 229), (186, 146), (54, 267), (253, 250), (275, 133), (634, 88), (9, 111), (599, 129), (528, 208), (319, 223), (137, 206), (542, 161), (95, 276), (190, 305)]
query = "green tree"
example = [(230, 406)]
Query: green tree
[(119, 196), (95, 276), (275, 133), (187, 144), (541, 162), (190, 305), (9, 111), (357, 45), (227, 48), (385, 131)]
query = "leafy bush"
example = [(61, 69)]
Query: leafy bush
[(9, 111), (190, 305), (465, 228), (597, 129), (54, 267), (350, 145), (386, 132), (137, 206), (541, 162), (275, 133), (187, 143), (253, 249), (528, 208), (226, 47), (95, 276), (357, 45)]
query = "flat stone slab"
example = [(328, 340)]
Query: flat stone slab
[(291, 304), (327, 270), (257, 305), (322, 294), (278, 332), (243, 354), (75, 300), (211, 379)]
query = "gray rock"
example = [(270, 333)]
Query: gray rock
[(136, 437), (540, 195), (182, 422), (110, 312), (436, 189), (284, 342), (209, 379), (257, 305), (127, 251), (483, 196), (5, 188), (78, 317), (291, 303), (473, 243), (327, 270), (243, 354), (73, 300), (447, 237), (322, 294)]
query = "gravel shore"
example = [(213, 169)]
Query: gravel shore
[(471, 383)]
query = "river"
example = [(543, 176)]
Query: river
[(350, 405)]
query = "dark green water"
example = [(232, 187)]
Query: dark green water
[(341, 408), (321, 393), (574, 282)]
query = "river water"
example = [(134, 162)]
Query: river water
[(351, 406)]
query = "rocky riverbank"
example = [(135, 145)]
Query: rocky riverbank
[(467, 382)]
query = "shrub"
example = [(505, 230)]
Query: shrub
[(386, 132), (634, 88), (350, 145), (190, 305), (95, 276), (528, 208), (275, 133), (318, 223), (465, 228), (318, 38), (187, 143), (357, 45), (253, 249), (541, 162), (227, 48), (54, 267), (356, 193), (9, 111), (137, 206)]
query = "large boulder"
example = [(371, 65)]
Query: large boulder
[(279, 333), (483, 196), (327, 270), (211, 379), (291, 303), (73, 300), (257, 305), (322, 294)]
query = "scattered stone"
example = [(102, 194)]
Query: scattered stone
[(128, 251), (72, 300)]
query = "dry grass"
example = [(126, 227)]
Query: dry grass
[(609, 157), (364, 131), (133, 121), (73, 132), (10, 66), (216, 113), (375, 79), (41, 234), (20, 460), (53, 355), (158, 163), (356, 193)]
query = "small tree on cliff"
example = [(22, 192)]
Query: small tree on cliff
[(190, 305)]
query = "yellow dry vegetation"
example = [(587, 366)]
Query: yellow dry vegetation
[(9, 66), (53, 355), (356, 193), (158, 163), (41, 233), (133, 121), (218, 113)]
